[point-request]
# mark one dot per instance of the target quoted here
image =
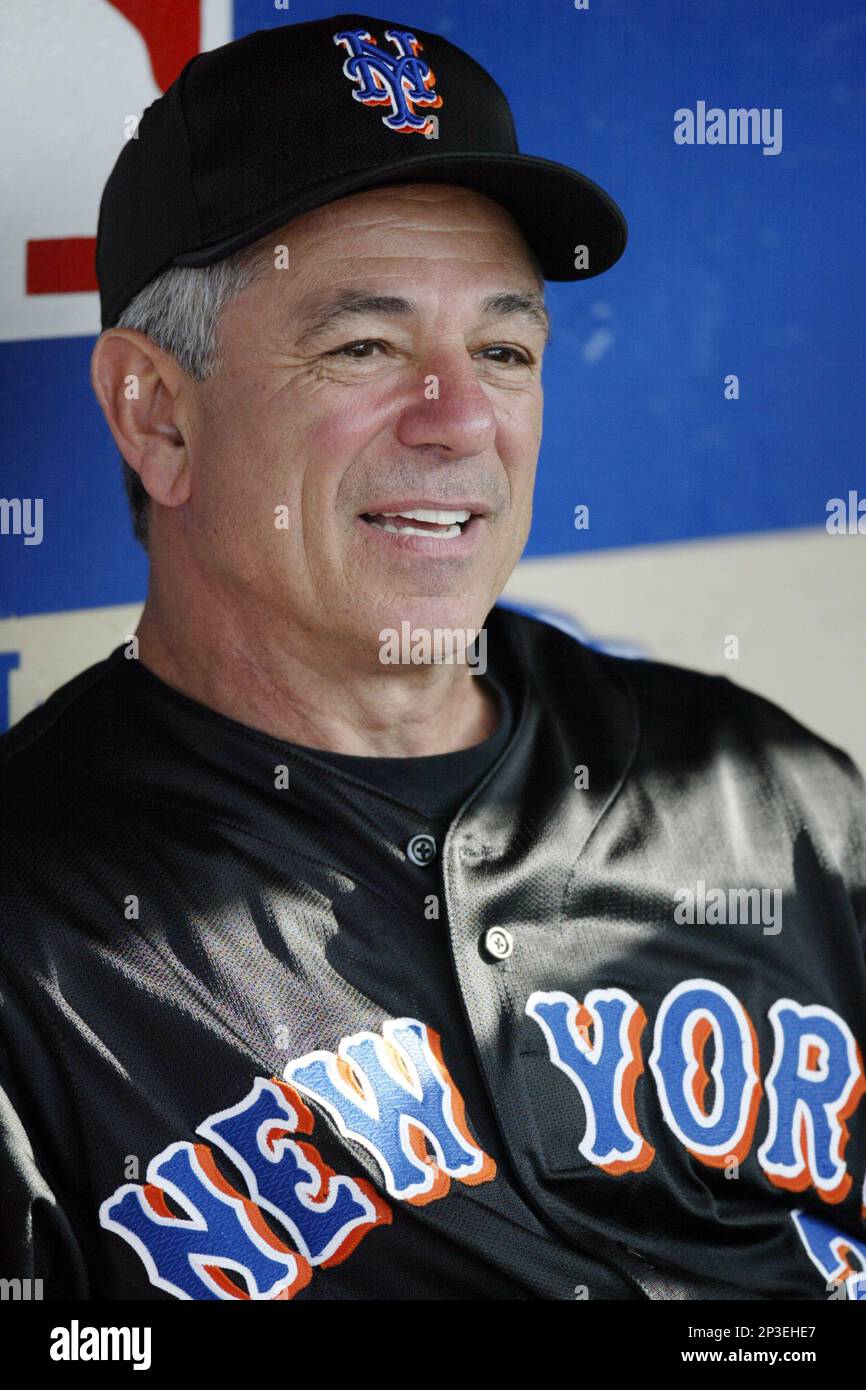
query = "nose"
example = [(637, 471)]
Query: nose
[(449, 408)]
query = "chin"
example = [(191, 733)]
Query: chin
[(411, 620)]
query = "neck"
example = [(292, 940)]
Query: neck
[(303, 691)]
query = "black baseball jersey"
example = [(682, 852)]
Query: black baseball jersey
[(577, 1013)]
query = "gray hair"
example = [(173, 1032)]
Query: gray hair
[(180, 311)]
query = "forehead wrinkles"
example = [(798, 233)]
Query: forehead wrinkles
[(462, 271), (471, 217), (435, 279), (386, 249)]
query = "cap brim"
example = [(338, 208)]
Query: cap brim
[(558, 209)]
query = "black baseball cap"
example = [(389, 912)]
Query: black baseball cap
[(284, 120)]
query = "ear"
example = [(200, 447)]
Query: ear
[(137, 386)]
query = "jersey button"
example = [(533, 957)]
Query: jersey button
[(421, 849), (498, 942)]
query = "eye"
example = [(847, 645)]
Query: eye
[(351, 350), (519, 358)]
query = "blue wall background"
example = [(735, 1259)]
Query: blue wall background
[(737, 263)]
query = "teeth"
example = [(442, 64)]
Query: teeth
[(446, 533), (438, 518)]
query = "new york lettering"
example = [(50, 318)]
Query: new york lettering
[(812, 1086), (392, 1094)]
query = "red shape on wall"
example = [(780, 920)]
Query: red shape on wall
[(171, 30), (61, 265)]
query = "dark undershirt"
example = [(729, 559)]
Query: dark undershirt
[(438, 784)]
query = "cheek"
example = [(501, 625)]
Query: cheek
[(244, 454), (334, 431), (237, 483), (519, 452), (270, 465)]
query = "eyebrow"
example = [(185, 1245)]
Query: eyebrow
[(318, 316)]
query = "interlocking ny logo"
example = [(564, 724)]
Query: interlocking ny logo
[(401, 80)]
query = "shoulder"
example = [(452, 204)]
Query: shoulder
[(713, 711), (63, 827), (45, 758), (55, 719), (695, 721)]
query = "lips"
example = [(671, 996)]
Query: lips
[(411, 541)]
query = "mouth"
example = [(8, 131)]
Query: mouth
[(425, 528), (440, 523)]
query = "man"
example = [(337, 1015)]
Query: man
[(332, 975)]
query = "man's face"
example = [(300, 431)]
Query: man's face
[(333, 410)]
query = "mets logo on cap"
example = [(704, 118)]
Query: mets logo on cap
[(402, 80)]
